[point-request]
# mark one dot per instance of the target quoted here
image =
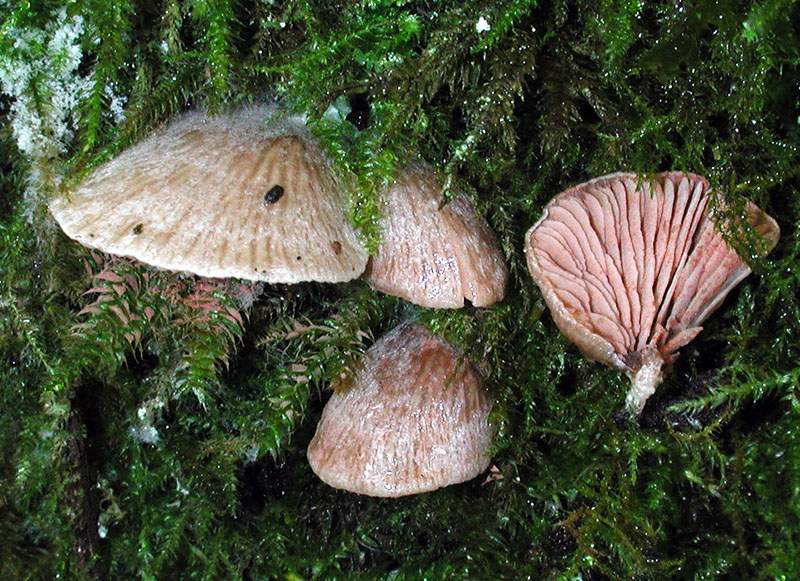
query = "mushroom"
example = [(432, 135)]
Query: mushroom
[(415, 419), (228, 196), (630, 269), (432, 256)]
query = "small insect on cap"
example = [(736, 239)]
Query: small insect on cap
[(631, 268), (231, 196), (415, 419), (431, 256)]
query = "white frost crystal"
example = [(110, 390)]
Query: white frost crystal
[(116, 103), (145, 434), (251, 455), (181, 488), (40, 73)]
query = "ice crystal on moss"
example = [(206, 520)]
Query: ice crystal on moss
[(145, 434), (540, 96), (39, 71), (116, 103)]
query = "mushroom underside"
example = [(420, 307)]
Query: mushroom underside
[(631, 269)]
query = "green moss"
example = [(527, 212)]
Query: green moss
[(194, 427)]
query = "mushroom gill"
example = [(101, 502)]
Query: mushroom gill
[(237, 195), (630, 269), (415, 419), (431, 256)]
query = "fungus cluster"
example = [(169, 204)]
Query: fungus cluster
[(630, 268), (235, 196), (416, 417)]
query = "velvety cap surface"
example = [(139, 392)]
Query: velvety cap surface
[(414, 420), (228, 196), (435, 257)]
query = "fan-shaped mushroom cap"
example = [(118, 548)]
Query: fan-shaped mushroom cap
[(631, 270), (227, 196), (435, 257), (414, 420)]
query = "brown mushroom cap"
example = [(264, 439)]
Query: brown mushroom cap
[(435, 257), (227, 196), (630, 271), (414, 420)]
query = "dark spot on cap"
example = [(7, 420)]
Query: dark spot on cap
[(138, 229), (299, 258), (337, 247), (274, 194), (91, 234)]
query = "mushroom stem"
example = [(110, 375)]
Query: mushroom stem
[(644, 382)]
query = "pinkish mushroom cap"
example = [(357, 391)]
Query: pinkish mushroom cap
[(631, 270), (432, 256), (238, 195), (415, 419)]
